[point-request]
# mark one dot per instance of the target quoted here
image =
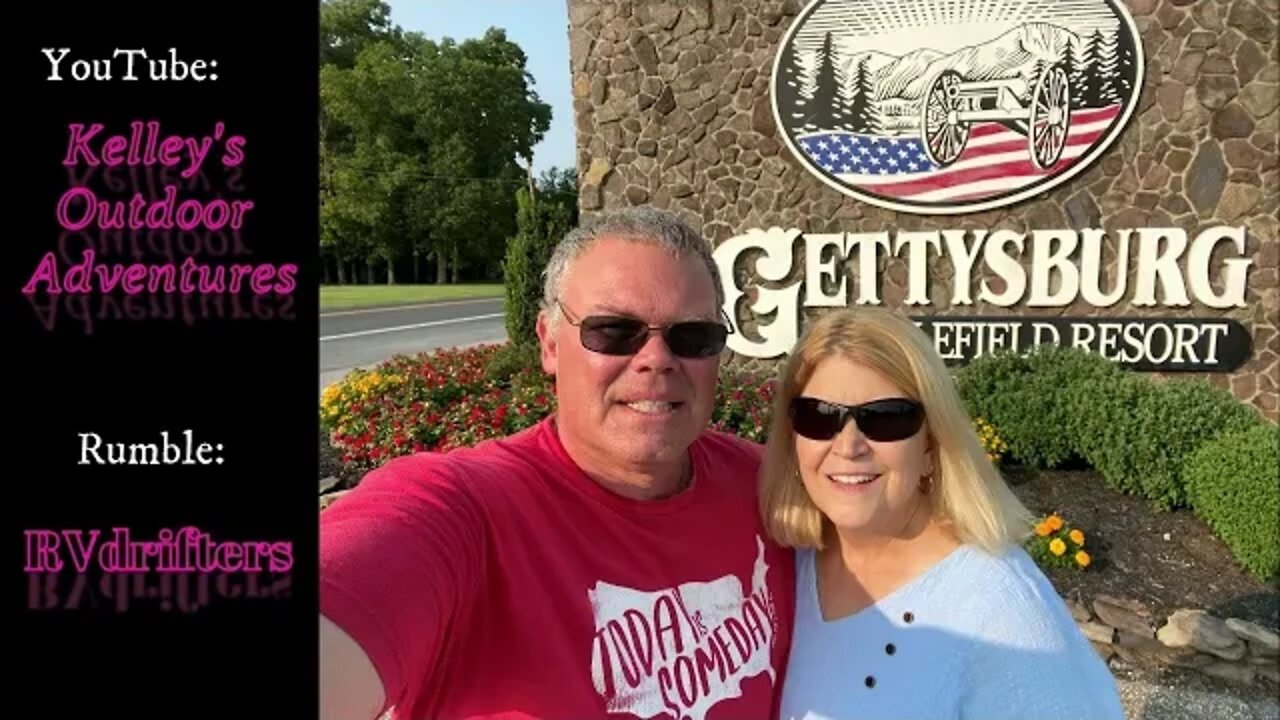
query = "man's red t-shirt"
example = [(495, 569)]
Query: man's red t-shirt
[(501, 581)]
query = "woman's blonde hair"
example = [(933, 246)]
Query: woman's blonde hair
[(967, 493)]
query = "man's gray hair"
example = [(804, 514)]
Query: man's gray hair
[(637, 224)]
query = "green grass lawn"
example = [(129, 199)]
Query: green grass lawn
[(335, 297)]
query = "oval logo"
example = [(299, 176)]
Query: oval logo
[(954, 106)]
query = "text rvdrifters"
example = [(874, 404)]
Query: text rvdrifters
[(186, 550), (184, 593)]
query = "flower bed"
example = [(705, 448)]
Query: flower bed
[(429, 402), (455, 398)]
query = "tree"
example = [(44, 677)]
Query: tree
[(349, 26), (825, 108), (420, 143), (1074, 66), (1126, 65), (1091, 88), (862, 116), (542, 220), (1107, 62), (791, 81)]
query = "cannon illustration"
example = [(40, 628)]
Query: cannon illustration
[(952, 103)]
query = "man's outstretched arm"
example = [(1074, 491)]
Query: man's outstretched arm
[(349, 685), (400, 555)]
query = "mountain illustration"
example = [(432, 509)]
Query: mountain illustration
[(1013, 54), (894, 77), (851, 57)]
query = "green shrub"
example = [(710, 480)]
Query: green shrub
[(1232, 484), (1181, 417), (1105, 430), (541, 224), (511, 358), (1137, 432), (1034, 400)]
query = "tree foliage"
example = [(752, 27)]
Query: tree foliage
[(422, 144), (543, 219)]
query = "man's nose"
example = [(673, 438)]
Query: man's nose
[(655, 354)]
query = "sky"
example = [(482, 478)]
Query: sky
[(539, 27)]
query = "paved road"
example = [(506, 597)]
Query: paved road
[(367, 336)]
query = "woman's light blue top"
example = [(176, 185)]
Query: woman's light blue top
[(976, 637)]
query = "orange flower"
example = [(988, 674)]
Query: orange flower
[(1076, 536), (1042, 529), (1054, 522), (1057, 547), (1082, 559)]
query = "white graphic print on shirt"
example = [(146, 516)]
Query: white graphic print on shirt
[(684, 649)]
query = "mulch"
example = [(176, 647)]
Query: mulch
[(1165, 559)]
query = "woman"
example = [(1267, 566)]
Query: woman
[(914, 597)]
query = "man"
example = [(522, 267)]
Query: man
[(608, 562)]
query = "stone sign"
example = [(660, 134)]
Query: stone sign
[(1095, 238)]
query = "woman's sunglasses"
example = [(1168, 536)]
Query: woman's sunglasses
[(884, 420), (620, 335)]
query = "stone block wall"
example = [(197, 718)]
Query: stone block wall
[(672, 109)]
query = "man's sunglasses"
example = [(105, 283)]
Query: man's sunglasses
[(620, 335), (884, 420)]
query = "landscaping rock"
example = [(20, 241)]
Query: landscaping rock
[(1079, 611), (1124, 614), (327, 484), (1270, 672), (1262, 642), (1231, 672), (1262, 653), (1104, 650), (1098, 633), (1202, 631), (1143, 650), (1192, 661)]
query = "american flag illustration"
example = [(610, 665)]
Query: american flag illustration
[(995, 160)]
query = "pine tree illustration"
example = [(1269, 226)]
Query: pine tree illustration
[(1127, 66), (1109, 70), (1073, 64), (863, 117), (844, 97), (791, 81), (1034, 79), (825, 111), (1091, 80)]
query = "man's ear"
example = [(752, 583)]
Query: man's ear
[(546, 343)]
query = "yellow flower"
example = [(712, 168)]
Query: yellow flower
[(1076, 536), (1042, 529), (1082, 559), (1057, 547), (1054, 522)]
